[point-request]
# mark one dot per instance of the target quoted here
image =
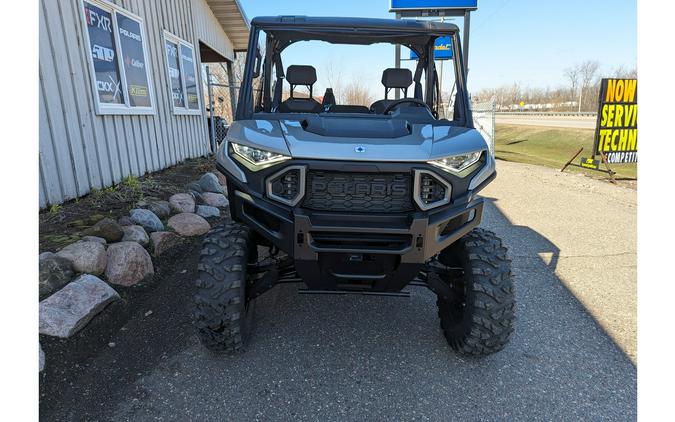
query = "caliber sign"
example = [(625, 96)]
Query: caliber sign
[(616, 130)]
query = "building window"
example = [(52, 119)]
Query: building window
[(180, 61), (117, 59)]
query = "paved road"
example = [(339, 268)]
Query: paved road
[(550, 121), (369, 358)]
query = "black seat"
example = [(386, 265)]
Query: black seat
[(392, 78), (300, 75)]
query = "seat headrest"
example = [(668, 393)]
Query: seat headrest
[(301, 75), (397, 78)]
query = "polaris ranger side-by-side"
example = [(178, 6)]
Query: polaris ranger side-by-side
[(354, 198)]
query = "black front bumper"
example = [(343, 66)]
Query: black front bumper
[(385, 251), (303, 233)]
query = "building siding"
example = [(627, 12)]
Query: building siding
[(80, 150)]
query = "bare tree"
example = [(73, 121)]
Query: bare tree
[(356, 93), (622, 72), (588, 71), (572, 76), (334, 79)]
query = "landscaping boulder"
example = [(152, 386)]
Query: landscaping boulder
[(209, 183), (136, 234), (182, 202), (147, 219), (163, 241), (207, 211), (97, 239), (198, 197), (159, 207), (215, 199), (125, 221), (128, 263), (108, 229), (71, 308), (194, 186), (42, 359), (188, 224), (87, 257), (55, 272)]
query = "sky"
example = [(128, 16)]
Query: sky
[(526, 41)]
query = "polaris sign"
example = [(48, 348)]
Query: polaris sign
[(399, 5)]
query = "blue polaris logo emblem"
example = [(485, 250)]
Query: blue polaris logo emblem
[(360, 148)]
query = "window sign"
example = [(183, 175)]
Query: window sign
[(120, 74), (131, 41), (182, 69), (187, 57), (102, 42), (174, 74)]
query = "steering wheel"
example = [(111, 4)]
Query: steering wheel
[(405, 100)]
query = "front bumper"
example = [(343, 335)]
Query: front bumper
[(334, 248), (304, 234)]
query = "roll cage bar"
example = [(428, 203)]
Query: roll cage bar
[(283, 31)]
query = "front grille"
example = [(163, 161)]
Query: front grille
[(351, 241), (359, 192)]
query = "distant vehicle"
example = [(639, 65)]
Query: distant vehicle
[(355, 199)]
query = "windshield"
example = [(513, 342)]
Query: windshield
[(330, 75)]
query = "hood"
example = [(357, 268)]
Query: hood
[(421, 142)]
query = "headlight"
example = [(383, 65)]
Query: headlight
[(457, 163), (257, 158)]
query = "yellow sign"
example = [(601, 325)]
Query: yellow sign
[(616, 131)]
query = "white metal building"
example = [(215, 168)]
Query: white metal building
[(121, 90)]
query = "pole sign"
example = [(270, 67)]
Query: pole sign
[(442, 49), (616, 129), (399, 5)]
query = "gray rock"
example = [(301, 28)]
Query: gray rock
[(209, 183), (124, 221), (86, 257), (136, 234), (55, 272), (128, 264), (97, 239), (207, 211), (197, 197), (42, 359), (163, 241), (182, 202), (65, 312), (107, 229), (147, 219), (187, 224), (160, 208), (195, 187), (215, 199)]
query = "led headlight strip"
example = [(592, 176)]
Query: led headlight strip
[(457, 163), (257, 158)]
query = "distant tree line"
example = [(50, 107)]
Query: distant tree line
[(579, 94)]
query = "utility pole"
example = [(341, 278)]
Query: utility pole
[(397, 61)]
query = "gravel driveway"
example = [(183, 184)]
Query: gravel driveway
[(372, 358)]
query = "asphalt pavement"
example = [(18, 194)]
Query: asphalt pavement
[(365, 358), (582, 122)]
